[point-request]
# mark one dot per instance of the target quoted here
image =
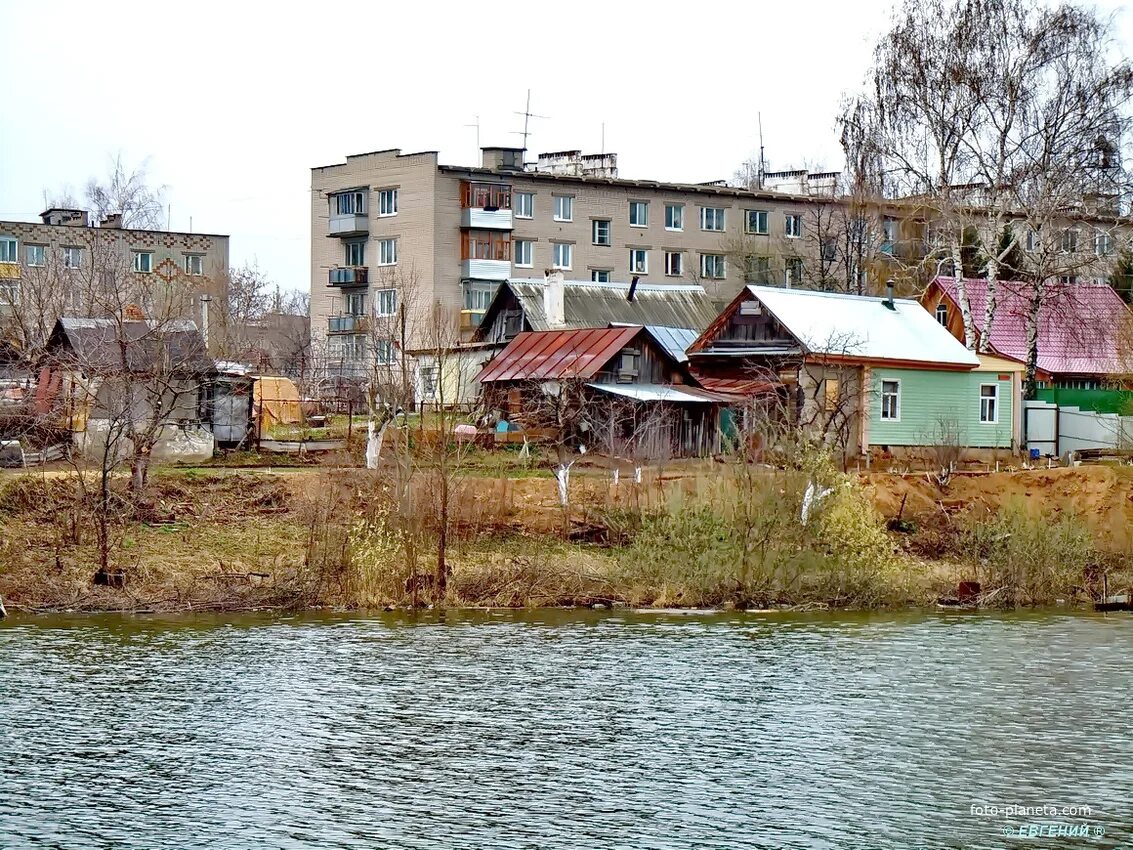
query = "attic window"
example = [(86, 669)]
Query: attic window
[(751, 308), (942, 314), (628, 361)]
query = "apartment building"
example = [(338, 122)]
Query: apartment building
[(66, 264)]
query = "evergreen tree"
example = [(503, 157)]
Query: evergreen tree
[(1121, 277)]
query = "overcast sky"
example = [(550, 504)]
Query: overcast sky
[(230, 104)]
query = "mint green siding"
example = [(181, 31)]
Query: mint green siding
[(927, 397)]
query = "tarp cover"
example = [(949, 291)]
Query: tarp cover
[(277, 401)]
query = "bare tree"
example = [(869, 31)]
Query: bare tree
[(127, 192)]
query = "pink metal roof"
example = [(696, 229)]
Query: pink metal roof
[(1082, 327), (553, 355)]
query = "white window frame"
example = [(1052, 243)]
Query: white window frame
[(796, 265), (721, 266), (562, 255), (387, 252), (609, 232), (41, 249), (941, 314), (387, 202), (994, 399), (897, 400), (761, 216), (1031, 242), (644, 269), (643, 206), (713, 213), (519, 260), (383, 351), (601, 275), (148, 263), (793, 222), (194, 265), (1071, 240), (351, 246), (72, 257), (10, 252), (675, 217), (357, 206), (1103, 243), (385, 302), (670, 271), (564, 207), (524, 209)]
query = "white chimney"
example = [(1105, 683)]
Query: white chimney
[(553, 299)]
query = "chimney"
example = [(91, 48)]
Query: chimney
[(112, 221), (632, 289), (553, 298), (889, 295), (501, 159)]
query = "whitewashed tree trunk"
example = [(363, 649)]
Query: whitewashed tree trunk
[(989, 304), (1034, 308), (562, 475), (962, 296), (374, 439)]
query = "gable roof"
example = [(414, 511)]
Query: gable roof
[(854, 327), (1082, 327), (675, 341), (595, 305), (551, 355), (95, 344)]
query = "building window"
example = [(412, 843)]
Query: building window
[(674, 217), (524, 205), (72, 258), (638, 214), (36, 255), (831, 388), (1070, 240), (1103, 244), (9, 293), (989, 403), (888, 234), (143, 261), (601, 228), (350, 203), (1032, 240), (712, 218), (1068, 279), (755, 221), (387, 252), (524, 253), (757, 270), (564, 208), (794, 225), (356, 304), (673, 264), (793, 272), (713, 266), (9, 250), (827, 250), (600, 275), (561, 255), (383, 351), (942, 314), (355, 253), (194, 265), (891, 401), (387, 202), (385, 302), (428, 381), (638, 261), (628, 364)]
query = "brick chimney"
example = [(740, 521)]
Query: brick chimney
[(112, 221)]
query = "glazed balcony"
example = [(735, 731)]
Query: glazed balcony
[(485, 205), (485, 255), (349, 276)]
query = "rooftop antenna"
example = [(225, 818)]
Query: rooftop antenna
[(603, 150), (759, 118), (527, 116), (477, 126)]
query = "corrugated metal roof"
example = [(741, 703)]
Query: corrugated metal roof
[(736, 386), (595, 305), (98, 343), (553, 355), (675, 341), (662, 392), (858, 326), (1081, 327)]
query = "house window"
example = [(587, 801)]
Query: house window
[(524, 252), (888, 234), (72, 258), (1070, 240), (628, 361), (673, 264), (36, 255), (9, 250), (942, 314), (350, 203), (794, 225), (1032, 240), (600, 275), (793, 272), (989, 403), (827, 250), (674, 217), (143, 261), (713, 266), (194, 265), (755, 221), (1103, 244), (383, 351), (890, 401), (478, 295), (356, 304), (385, 302), (638, 261), (387, 252), (387, 202), (564, 208), (524, 205), (355, 253), (831, 389), (1068, 279), (638, 214), (601, 228), (429, 381), (561, 255), (9, 293), (757, 270), (712, 218)]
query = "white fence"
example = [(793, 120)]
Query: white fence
[(1057, 430)]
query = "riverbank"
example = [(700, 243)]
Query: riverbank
[(694, 536)]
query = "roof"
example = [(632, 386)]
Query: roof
[(95, 343), (860, 327), (675, 341), (1081, 327), (663, 392), (736, 386), (595, 305), (551, 355)]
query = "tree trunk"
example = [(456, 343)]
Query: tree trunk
[(989, 304), (962, 296), (1034, 307)]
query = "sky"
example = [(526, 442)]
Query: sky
[(229, 105)]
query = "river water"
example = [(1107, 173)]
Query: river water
[(562, 729)]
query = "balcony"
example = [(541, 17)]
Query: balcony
[(347, 324), (343, 226), (349, 276), (470, 319), (485, 255), (485, 205)]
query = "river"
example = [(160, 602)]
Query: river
[(565, 729)]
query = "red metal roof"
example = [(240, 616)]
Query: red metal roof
[(746, 387), (553, 355), (1081, 326)]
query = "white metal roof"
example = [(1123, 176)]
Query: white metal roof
[(657, 392), (862, 326)]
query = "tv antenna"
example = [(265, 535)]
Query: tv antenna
[(762, 166), (527, 116), (477, 126)]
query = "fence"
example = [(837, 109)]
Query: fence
[(1058, 429)]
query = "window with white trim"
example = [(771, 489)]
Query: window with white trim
[(143, 261), (793, 226), (383, 351), (712, 218), (9, 250), (600, 231), (524, 253), (638, 213), (1103, 243), (387, 202), (989, 403), (36, 255), (387, 252), (356, 253), (673, 263), (194, 265), (9, 293), (564, 207), (674, 217), (524, 205), (942, 314), (638, 261), (713, 266), (561, 255), (1032, 240), (350, 203), (890, 401), (600, 275), (385, 302), (792, 271), (72, 258), (755, 221), (1070, 240)]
